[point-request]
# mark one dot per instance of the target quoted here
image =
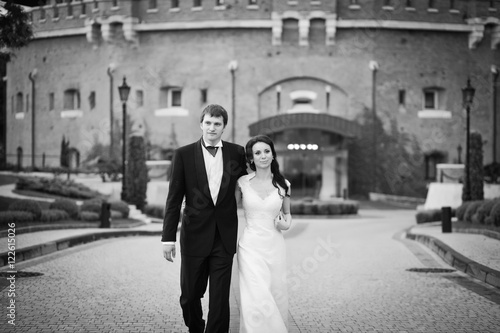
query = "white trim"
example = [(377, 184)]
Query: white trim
[(389, 8), (410, 9), (434, 114), (220, 7), (19, 115), (432, 10), (71, 114), (194, 25), (266, 24), (354, 7), (407, 25), (492, 9), (152, 10), (172, 112), (454, 11), (293, 2), (174, 10), (196, 9), (115, 8), (253, 7)]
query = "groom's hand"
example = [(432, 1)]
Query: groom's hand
[(169, 252)]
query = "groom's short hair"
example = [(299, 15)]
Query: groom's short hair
[(214, 110)]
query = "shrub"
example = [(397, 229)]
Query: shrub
[(323, 208), (69, 206), (429, 215), (137, 173), (15, 216), (121, 207), (483, 211), (310, 208), (296, 207), (56, 186), (89, 216), (52, 215), (494, 218), (154, 211), (30, 206), (93, 206), (462, 209), (334, 208), (471, 210)]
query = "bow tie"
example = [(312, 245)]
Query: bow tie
[(212, 150)]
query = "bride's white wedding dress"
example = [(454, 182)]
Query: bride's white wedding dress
[(262, 264)]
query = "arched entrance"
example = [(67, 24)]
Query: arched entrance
[(312, 151)]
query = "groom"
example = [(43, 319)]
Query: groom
[(205, 173)]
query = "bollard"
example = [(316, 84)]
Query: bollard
[(105, 215), (446, 219)]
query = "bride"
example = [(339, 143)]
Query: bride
[(261, 249)]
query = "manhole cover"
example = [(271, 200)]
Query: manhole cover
[(20, 274), (431, 270)]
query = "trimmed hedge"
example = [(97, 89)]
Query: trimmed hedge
[(89, 216), (316, 207), (154, 211), (93, 206), (483, 211), (494, 217), (432, 215), (121, 207), (29, 206), (69, 206), (15, 216), (56, 186), (462, 209), (53, 215), (471, 210)]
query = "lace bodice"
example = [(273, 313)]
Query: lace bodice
[(258, 209)]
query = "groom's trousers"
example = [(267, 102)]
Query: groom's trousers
[(195, 274)]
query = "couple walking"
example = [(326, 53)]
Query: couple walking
[(211, 175)]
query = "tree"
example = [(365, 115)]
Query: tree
[(475, 170), (137, 172), (15, 30)]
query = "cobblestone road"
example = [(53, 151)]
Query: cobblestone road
[(345, 275)]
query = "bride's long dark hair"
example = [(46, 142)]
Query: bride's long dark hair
[(278, 178)]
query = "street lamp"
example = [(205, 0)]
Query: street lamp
[(467, 98), (373, 65), (494, 75), (233, 66), (124, 90)]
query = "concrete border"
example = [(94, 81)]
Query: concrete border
[(64, 243), (458, 261)]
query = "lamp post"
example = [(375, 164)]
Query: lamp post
[(32, 76), (494, 75), (124, 90), (373, 65), (233, 66), (467, 98)]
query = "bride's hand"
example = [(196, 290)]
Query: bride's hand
[(283, 221)]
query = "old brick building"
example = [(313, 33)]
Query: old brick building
[(301, 71)]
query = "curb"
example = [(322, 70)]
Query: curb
[(64, 243), (458, 261)]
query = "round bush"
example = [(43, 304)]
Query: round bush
[(89, 216), (494, 217), (52, 215), (91, 206), (297, 208), (461, 210), (154, 211), (483, 211), (471, 210), (323, 208), (310, 208), (69, 206), (15, 216), (121, 207), (29, 206)]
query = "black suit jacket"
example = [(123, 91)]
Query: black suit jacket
[(188, 178)]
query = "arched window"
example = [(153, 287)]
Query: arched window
[(291, 31), (317, 32)]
